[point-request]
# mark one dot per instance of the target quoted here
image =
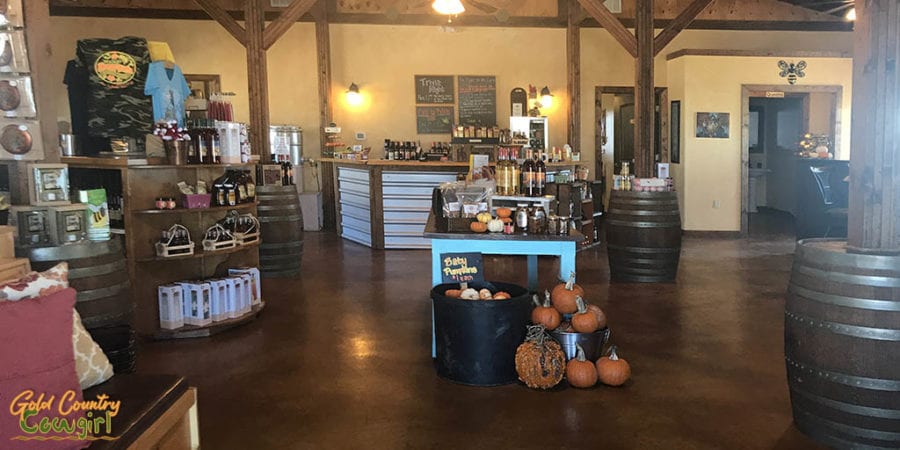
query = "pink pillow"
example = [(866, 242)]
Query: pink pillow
[(36, 355)]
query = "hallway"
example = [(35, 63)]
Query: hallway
[(340, 359)]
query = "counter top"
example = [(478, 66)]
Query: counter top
[(431, 232), (388, 162)]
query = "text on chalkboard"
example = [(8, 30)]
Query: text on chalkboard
[(462, 267)]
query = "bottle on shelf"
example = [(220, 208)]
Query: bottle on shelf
[(230, 189), (540, 176), (528, 174), (251, 187), (502, 172), (215, 153), (220, 193)]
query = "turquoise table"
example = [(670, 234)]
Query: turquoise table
[(530, 246)]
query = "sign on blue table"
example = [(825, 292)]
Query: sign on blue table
[(462, 268)]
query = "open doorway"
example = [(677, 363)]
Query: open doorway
[(776, 119), (614, 132)]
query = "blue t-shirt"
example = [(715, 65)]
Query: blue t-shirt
[(169, 90)]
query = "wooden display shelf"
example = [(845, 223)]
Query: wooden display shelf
[(200, 253), (193, 331), (238, 207), (90, 162)]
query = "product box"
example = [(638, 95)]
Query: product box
[(67, 224), (32, 226), (48, 184), (249, 283), (231, 307), (242, 295), (218, 299), (255, 282), (197, 307), (171, 307)]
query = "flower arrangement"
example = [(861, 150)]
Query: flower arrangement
[(170, 131)]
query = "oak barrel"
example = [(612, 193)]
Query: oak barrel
[(99, 272), (643, 235), (281, 230), (842, 345)]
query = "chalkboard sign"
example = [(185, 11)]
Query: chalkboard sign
[(434, 119), (434, 89), (478, 100), (462, 268)]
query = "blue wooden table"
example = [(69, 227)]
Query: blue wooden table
[(530, 246)]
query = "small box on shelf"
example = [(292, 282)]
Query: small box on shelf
[(218, 299), (171, 307), (255, 282), (197, 307)]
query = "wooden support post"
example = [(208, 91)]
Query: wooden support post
[(257, 78), (573, 73), (644, 99), (326, 111), (680, 23), (874, 225), (607, 20)]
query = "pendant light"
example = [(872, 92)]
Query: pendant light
[(448, 7)]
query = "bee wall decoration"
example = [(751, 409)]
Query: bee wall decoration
[(792, 71)]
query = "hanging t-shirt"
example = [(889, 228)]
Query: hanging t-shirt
[(169, 90), (117, 72)]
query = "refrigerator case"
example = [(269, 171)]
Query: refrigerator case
[(536, 128)]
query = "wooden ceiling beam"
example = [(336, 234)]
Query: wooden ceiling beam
[(220, 15), (288, 17), (612, 24), (679, 24)]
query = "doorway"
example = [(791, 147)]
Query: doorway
[(775, 120)]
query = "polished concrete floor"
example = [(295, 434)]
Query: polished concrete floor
[(341, 360)]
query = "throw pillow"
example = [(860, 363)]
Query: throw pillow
[(38, 361), (91, 363)]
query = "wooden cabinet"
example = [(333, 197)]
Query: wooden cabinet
[(143, 225)]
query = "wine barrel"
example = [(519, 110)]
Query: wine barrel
[(98, 271), (281, 230), (643, 235), (842, 345)]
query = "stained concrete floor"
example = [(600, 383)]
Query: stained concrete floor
[(341, 359)]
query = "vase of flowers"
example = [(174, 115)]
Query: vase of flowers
[(176, 141)]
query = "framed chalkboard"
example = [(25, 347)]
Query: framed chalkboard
[(478, 100), (434, 89), (434, 119)]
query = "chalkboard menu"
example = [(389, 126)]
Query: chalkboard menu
[(434, 119), (434, 89), (478, 100)]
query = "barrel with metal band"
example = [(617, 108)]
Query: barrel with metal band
[(842, 345), (281, 230), (643, 233)]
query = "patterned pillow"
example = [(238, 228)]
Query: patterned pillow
[(91, 363)]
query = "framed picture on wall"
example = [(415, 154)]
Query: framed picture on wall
[(675, 132), (203, 85), (712, 125)]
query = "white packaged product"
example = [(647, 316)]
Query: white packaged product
[(171, 307)]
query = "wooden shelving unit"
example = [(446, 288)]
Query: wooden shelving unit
[(191, 331), (141, 185)]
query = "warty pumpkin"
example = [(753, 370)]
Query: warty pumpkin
[(612, 370), (545, 314), (584, 321), (540, 361), (580, 372), (563, 295)]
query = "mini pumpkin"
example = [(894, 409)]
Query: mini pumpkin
[(478, 227), (612, 370), (484, 217), (584, 321), (601, 316), (504, 212), (469, 294), (506, 220), (485, 294), (495, 225), (563, 295), (580, 372), (502, 296), (545, 314), (540, 361), (454, 293)]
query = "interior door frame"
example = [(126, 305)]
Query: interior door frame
[(661, 92), (760, 90)]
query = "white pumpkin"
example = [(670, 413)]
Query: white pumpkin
[(495, 225)]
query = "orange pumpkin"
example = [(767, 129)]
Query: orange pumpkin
[(563, 295), (478, 227), (506, 219), (540, 361), (504, 212), (452, 293), (584, 321), (612, 370), (580, 372), (601, 316), (502, 296), (545, 314)]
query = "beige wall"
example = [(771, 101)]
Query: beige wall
[(712, 167)]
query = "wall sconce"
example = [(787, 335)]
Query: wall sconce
[(546, 98), (448, 8), (354, 98)]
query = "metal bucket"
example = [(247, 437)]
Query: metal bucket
[(592, 343)]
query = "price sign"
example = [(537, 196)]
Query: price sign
[(462, 267)]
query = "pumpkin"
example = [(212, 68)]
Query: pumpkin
[(580, 372), (502, 296), (545, 314), (506, 220), (484, 217), (478, 227), (563, 295), (469, 294), (584, 321), (485, 294), (504, 212), (454, 293), (495, 226), (601, 316), (540, 361), (612, 370)]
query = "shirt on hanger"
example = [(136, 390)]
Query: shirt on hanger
[(169, 91)]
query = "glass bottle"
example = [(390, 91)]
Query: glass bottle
[(521, 217), (241, 183), (251, 187), (540, 176), (215, 153), (220, 196), (230, 189), (528, 175)]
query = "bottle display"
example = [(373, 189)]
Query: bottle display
[(540, 176), (528, 175)]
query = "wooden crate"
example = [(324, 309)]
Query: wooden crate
[(13, 268), (7, 241)]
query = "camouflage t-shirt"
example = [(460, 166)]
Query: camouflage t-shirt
[(117, 71)]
